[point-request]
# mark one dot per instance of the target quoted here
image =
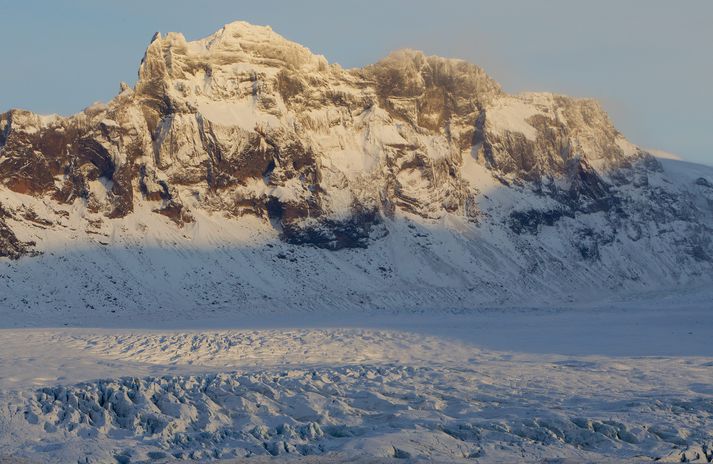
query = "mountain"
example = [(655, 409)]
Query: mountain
[(244, 170)]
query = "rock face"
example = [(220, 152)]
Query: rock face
[(10, 246), (247, 123)]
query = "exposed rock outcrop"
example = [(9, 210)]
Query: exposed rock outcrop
[(10, 246)]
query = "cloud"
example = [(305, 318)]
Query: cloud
[(663, 154)]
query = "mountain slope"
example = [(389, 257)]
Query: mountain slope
[(195, 186)]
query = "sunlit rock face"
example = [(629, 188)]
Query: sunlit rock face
[(245, 122)]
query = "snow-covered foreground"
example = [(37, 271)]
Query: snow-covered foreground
[(489, 386)]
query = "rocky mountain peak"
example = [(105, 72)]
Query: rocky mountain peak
[(236, 44), (245, 123)]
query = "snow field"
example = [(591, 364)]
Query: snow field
[(386, 394)]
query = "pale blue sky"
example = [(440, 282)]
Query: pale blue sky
[(650, 62)]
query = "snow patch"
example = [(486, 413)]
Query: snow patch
[(511, 114), (243, 114)]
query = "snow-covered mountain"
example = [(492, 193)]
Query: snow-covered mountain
[(242, 170)]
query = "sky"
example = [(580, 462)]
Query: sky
[(649, 62)]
